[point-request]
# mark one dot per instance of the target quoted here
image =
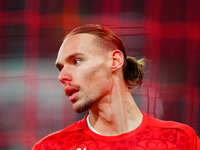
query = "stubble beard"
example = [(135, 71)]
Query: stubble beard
[(85, 105)]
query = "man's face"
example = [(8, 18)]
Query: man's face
[(84, 70)]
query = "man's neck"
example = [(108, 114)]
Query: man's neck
[(115, 114)]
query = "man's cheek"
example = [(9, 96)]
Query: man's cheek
[(91, 76)]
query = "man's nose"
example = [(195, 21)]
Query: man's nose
[(64, 76)]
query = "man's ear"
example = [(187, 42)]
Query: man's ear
[(117, 60)]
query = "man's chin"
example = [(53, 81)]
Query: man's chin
[(80, 108)]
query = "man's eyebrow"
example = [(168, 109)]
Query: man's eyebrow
[(73, 55)]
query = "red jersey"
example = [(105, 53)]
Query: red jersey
[(152, 134)]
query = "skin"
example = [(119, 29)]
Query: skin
[(97, 74)]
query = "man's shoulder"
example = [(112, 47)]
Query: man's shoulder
[(171, 132), (56, 138), (170, 125)]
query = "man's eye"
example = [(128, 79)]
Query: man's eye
[(76, 61)]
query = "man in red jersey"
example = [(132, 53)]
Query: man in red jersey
[(97, 76)]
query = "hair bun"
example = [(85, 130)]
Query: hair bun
[(133, 72)]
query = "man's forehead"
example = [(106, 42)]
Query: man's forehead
[(78, 42), (83, 44), (80, 37)]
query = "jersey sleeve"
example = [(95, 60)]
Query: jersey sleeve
[(195, 141), (41, 145), (181, 135), (47, 143), (37, 146)]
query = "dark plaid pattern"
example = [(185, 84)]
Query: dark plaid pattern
[(32, 103), (173, 45)]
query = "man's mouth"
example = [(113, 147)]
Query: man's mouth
[(73, 98), (71, 92)]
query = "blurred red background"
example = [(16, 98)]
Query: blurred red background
[(32, 102)]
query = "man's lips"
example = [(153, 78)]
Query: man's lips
[(71, 92), (72, 98)]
